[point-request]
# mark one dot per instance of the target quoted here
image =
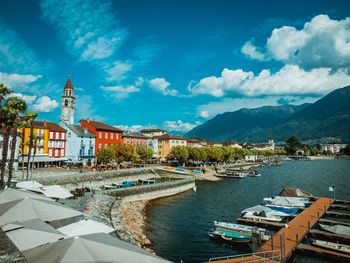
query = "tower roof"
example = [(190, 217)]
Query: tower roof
[(69, 84)]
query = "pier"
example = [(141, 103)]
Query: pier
[(282, 245)]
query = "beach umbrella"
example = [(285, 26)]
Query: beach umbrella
[(84, 227), (31, 233), (98, 247), (11, 194), (27, 208), (28, 184), (53, 191)]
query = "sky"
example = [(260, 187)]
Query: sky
[(172, 64)]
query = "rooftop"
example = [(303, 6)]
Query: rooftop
[(48, 125), (102, 126), (170, 136), (153, 130), (69, 84), (80, 131), (134, 134)]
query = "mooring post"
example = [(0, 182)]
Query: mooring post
[(297, 237), (308, 224), (282, 247)]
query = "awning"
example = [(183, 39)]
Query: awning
[(45, 159)]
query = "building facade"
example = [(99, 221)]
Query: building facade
[(134, 138), (15, 163), (334, 148), (68, 103), (80, 143), (168, 141), (153, 132), (105, 134)]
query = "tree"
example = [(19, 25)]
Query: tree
[(193, 153), (124, 152), (30, 116), (215, 154), (293, 145), (203, 156), (4, 92), (36, 141), (346, 150), (145, 153), (15, 106), (105, 155), (179, 153)]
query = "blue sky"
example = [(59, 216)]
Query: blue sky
[(172, 64)]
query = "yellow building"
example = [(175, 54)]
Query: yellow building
[(168, 141), (40, 129)]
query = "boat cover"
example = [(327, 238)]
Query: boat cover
[(295, 192), (268, 211), (291, 211), (337, 229), (286, 201)]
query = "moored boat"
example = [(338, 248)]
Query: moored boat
[(254, 173), (337, 229), (288, 210), (331, 245), (287, 201), (258, 209), (230, 235), (261, 216)]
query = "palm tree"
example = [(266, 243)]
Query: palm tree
[(30, 116), (4, 91), (23, 125), (15, 106), (36, 141)]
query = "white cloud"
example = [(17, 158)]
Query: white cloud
[(179, 126), (136, 127), (27, 98), (161, 85), (322, 42), (233, 104), (88, 28), (17, 81), (251, 51), (45, 104), (289, 80), (117, 71), (139, 81), (120, 92)]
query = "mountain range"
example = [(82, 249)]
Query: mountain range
[(327, 117)]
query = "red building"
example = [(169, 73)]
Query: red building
[(135, 138), (105, 134), (57, 140)]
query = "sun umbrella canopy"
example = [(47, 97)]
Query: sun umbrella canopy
[(85, 227), (98, 247), (14, 194), (27, 209), (28, 184), (31, 233), (56, 191)]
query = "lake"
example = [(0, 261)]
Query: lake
[(178, 225)]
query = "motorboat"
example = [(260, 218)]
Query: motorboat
[(331, 245), (268, 211), (261, 216), (254, 173), (233, 174), (287, 201), (229, 235), (262, 232), (337, 229), (147, 181), (288, 210)]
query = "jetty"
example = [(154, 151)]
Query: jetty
[(280, 247)]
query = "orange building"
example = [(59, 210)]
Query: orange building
[(168, 141), (105, 134)]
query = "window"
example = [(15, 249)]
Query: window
[(105, 145), (69, 134), (159, 146), (117, 136), (57, 135), (100, 135), (159, 153), (99, 145), (173, 141), (56, 152), (182, 141), (106, 135), (50, 152), (51, 135), (63, 135), (66, 103), (62, 152), (112, 136)]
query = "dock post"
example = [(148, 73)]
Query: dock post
[(297, 237), (282, 247), (308, 224)]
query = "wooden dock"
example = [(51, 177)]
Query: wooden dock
[(323, 251), (261, 223), (333, 222)]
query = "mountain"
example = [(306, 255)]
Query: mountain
[(327, 117)]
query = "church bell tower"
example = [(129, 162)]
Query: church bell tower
[(68, 103)]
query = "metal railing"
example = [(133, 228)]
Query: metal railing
[(269, 256)]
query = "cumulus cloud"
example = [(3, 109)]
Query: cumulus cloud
[(233, 104), (17, 81), (161, 85), (179, 126), (27, 98), (120, 92), (291, 79), (45, 104), (117, 71), (322, 42), (136, 127)]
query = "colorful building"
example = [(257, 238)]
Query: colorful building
[(80, 143), (134, 138), (168, 141), (334, 148), (153, 132), (105, 134)]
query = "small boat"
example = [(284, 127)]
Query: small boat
[(287, 201), (332, 246), (268, 211), (180, 169), (145, 181), (261, 216), (229, 235), (233, 174), (196, 171), (109, 187), (254, 173), (288, 210), (337, 229)]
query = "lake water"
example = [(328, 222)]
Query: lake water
[(178, 225)]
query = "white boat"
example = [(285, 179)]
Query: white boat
[(268, 211), (337, 229), (261, 216), (287, 201), (333, 246)]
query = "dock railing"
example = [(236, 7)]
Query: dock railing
[(258, 257)]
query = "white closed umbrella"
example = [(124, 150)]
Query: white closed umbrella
[(11, 194), (98, 247), (56, 191), (85, 227), (31, 233), (27, 209), (28, 184)]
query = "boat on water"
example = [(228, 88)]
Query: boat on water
[(254, 173), (288, 210), (147, 181), (261, 216), (229, 235), (337, 229), (268, 211), (287, 201), (331, 245), (233, 174), (263, 233)]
